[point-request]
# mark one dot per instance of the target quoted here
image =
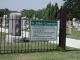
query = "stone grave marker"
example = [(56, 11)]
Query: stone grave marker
[(14, 27), (69, 27), (4, 21)]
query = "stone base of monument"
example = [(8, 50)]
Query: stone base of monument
[(15, 39)]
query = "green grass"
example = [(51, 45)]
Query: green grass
[(28, 46), (25, 46), (70, 54), (75, 35), (54, 55), (2, 36)]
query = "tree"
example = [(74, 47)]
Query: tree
[(28, 13), (4, 12), (56, 9), (47, 13), (73, 8), (51, 10)]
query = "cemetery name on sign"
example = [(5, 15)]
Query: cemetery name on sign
[(43, 30)]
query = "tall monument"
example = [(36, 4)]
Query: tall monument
[(15, 24)]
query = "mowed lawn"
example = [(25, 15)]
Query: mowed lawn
[(54, 55), (74, 35), (70, 54)]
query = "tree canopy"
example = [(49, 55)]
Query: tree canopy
[(45, 13), (4, 11), (73, 8)]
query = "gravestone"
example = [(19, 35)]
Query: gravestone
[(15, 24), (34, 17), (69, 27), (14, 28), (78, 25), (74, 22), (4, 21), (23, 23)]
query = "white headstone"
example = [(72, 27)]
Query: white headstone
[(14, 27), (15, 24), (4, 21), (74, 22), (34, 17), (23, 23), (69, 27)]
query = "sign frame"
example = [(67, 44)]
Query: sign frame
[(51, 21)]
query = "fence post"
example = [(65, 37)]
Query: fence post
[(62, 33), (1, 33)]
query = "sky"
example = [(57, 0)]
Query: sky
[(19, 5)]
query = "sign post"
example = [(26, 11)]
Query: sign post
[(43, 30), (62, 34)]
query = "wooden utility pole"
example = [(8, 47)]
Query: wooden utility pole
[(62, 33)]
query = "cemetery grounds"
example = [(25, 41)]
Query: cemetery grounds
[(75, 34), (72, 54), (69, 54)]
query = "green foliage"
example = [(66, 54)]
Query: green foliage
[(47, 13), (73, 8), (4, 11), (28, 13)]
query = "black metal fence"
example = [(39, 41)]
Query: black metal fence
[(17, 40)]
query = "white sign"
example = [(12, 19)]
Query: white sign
[(43, 30)]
